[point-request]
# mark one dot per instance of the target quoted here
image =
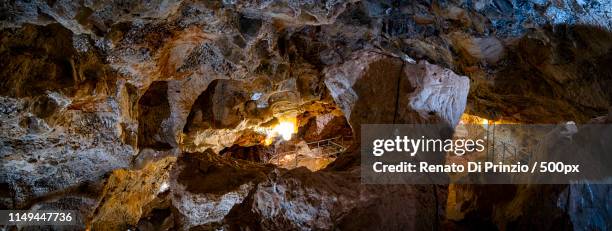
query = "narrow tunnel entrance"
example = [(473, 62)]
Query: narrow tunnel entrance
[(316, 142), (269, 126)]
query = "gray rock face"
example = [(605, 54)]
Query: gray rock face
[(367, 81), (99, 90), (437, 91), (587, 205), (373, 88), (265, 198), (206, 187), (303, 200), (489, 49), (58, 160)]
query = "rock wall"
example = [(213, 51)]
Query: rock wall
[(96, 96)]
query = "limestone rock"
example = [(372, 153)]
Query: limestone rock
[(488, 49), (206, 187), (265, 198), (399, 92), (127, 194), (93, 92), (436, 91)]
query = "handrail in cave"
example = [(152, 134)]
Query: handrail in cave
[(330, 147)]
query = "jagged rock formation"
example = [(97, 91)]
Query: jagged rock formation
[(266, 198), (128, 195), (100, 96), (404, 92)]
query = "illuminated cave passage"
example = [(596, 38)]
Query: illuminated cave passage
[(267, 127), (316, 144), (247, 115)]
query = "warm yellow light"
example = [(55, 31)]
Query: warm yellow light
[(285, 129), (485, 122), (268, 141)]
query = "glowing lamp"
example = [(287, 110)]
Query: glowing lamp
[(285, 129)]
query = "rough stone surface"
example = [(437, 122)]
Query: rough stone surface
[(127, 195), (266, 198), (376, 88), (96, 96), (206, 187)]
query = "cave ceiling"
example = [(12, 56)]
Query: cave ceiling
[(99, 96)]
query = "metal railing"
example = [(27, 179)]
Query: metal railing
[(509, 152), (327, 148)]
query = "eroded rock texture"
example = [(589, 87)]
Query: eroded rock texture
[(403, 92), (120, 109), (215, 193)]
